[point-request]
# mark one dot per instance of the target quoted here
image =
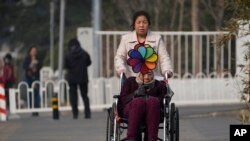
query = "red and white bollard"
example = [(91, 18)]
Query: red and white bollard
[(3, 113)]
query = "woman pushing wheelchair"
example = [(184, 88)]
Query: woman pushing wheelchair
[(141, 95)]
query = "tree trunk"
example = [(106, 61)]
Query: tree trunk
[(218, 21), (173, 16), (181, 14), (216, 13), (157, 10), (195, 27)]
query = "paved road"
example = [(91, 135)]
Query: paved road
[(197, 123)]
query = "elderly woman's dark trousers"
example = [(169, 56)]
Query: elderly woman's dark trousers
[(143, 110)]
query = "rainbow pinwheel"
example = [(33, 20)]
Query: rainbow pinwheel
[(142, 58)]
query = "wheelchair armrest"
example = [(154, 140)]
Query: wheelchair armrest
[(116, 96), (168, 98)]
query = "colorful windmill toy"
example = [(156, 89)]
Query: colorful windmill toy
[(142, 58)]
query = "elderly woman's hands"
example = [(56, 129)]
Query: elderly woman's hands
[(141, 91)]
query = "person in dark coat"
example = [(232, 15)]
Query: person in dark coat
[(77, 62), (32, 66), (140, 101)]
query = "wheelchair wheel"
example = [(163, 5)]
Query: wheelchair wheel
[(109, 129), (174, 123), (111, 125), (177, 124)]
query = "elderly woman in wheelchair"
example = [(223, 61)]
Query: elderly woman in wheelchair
[(143, 104), (140, 101)]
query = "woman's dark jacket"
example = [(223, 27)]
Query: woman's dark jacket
[(77, 62), (130, 86), (29, 74)]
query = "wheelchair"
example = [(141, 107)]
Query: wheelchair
[(169, 120)]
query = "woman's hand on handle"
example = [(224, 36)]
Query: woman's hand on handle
[(120, 71), (166, 78)]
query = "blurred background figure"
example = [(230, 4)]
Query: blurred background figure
[(77, 62), (32, 65), (8, 76)]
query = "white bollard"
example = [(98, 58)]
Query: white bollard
[(3, 115)]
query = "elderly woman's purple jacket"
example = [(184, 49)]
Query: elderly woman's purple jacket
[(130, 86)]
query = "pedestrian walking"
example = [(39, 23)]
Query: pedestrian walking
[(76, 62)]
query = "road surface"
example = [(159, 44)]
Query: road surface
[(197, 123)]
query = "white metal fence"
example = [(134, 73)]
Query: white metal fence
[(22, 99), (190, 52), (190, 91)]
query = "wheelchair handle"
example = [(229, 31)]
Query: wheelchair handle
[(121, 75), (120, 85), (116, 96), (166, 76)]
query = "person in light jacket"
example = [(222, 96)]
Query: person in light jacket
[(141, 35)]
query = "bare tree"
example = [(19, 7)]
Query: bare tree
[(173, 16), (129, 7), (216, 13), (240, 23), (153, 7), (195, 16), (181, 14), (157, 10)]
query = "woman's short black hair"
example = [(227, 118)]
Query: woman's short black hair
[(136, 15)]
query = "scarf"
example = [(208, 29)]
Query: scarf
[(149, 85)]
